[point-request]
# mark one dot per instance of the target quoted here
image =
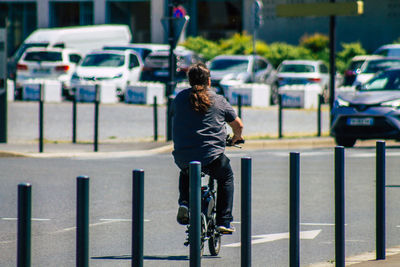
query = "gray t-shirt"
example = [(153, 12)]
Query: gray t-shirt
[(198, 136)]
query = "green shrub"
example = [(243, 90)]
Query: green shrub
[(278, 52), (397, 41), (206, 48), (316, 43), (349, 50), (238, 44)]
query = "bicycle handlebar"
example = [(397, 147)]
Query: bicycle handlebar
[(236, 144)]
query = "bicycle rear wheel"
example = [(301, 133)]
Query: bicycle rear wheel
[(214, 242)]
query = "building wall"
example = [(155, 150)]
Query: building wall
[(380, 23)]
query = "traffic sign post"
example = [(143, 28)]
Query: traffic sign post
[(3, 85), (174, 26)]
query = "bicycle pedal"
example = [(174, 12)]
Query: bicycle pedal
[(225, 233)]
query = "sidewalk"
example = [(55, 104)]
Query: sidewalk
[(125, 149)]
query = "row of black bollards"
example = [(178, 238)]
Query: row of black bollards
[(82, 238)]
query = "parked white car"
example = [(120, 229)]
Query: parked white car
[(291, 72), (374, 65), (48, 64), (119, 68), (390, 50)]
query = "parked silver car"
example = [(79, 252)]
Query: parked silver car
[(243, 68)]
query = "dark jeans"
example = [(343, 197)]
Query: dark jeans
[(220, 170)]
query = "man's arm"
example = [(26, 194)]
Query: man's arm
[(237, 127)]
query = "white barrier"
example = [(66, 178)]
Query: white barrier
[(52, 90), (87, 93), (300, 96), (10, 90), (144, 93), (253, 94)]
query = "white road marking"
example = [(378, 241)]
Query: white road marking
[(33, 219), (120, 220), (258, 239), (319, 224)]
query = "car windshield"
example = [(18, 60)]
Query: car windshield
[(354, 65), (374, 66), (297, 68), (388, 80), (103, 60), (229, 64), (390, 52), (43, 56)]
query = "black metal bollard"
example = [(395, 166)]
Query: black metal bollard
[(294, 226), (339, 207), (380, 201), (169, 118), (240, 106), (24, 225), (280, 116), (194, 211), (82, 222), (41, 120), (320, 100), (96, 118), (155, 118), (74, 117), (137, 218), (246, 213)]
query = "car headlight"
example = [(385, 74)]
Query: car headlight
[(392, 103), (119, 75), (342, 103)]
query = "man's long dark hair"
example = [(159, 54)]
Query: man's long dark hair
[(199, 76)]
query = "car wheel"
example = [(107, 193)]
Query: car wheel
[(345, 141), (274, 94)]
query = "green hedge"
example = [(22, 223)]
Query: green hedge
[(314, 46)]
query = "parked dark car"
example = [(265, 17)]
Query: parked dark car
[(371, 112), (156, 65)]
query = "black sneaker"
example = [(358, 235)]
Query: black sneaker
[(226, 229), (183, 215)]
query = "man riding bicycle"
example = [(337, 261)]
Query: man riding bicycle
[(199, 134)]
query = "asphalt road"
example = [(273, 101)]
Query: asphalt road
[(54, 204), (135, 122)]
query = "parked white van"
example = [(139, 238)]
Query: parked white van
[(81, 38)]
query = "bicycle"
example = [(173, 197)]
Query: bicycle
[(208, 231)]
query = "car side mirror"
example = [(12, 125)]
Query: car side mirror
[(358, 87)]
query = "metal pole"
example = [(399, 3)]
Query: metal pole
[(339, 207), (380, 201), (82, 222), (332, 60), (246, 213), (280, 116), (294, 209), (194, 211), (41, 100), (319, 116), (155, 118), (137, 218), (96, 118), (169, 118), (24, 225), (240, 106), (74, 116)]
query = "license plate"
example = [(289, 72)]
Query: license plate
[(41, 71), (162, 73), (360, 121)]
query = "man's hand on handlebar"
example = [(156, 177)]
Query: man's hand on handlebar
[(234, 141)]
